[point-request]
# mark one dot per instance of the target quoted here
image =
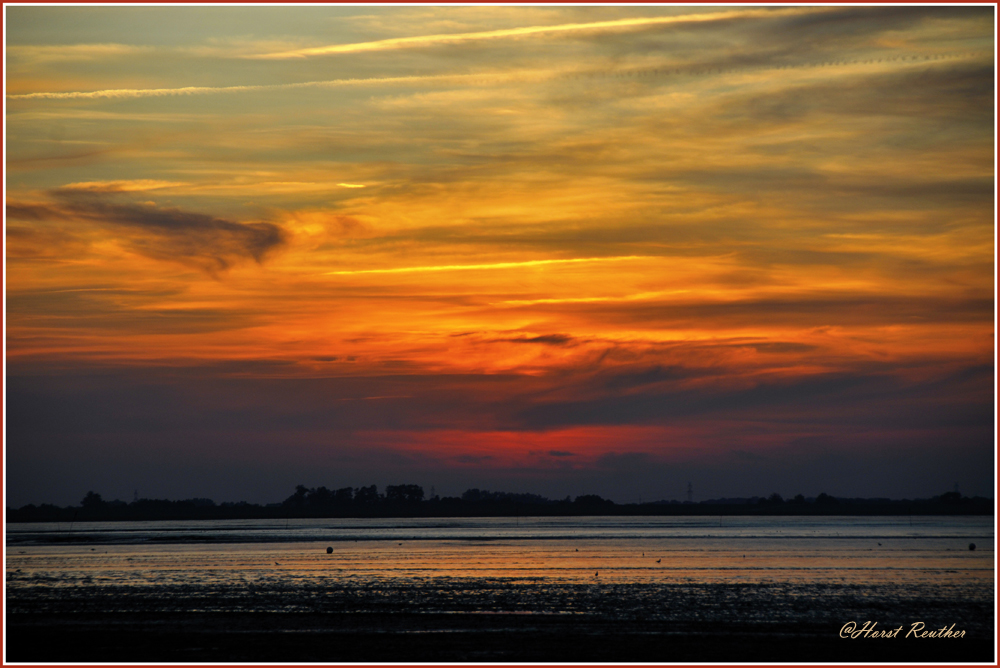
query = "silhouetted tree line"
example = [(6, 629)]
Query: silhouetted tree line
[(410, 501), (321, 501)]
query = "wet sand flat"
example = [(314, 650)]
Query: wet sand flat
[(495, 621), (406, 637), (485, 590)]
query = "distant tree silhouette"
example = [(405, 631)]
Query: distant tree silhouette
[(486, 496), (473, 495), (404, 494), (343, 496), (320, 497), (409, 501), (949, 498), (367, 496), (591, 502), (92, 501), (297, 500)]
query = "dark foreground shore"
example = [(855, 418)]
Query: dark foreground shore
[(413, 637), (494, 620)]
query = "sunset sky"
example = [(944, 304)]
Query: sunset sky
[(551, 249)]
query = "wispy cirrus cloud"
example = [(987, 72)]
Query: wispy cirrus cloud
[(136, 185), (125, 93), (492, 265), (528, 31), (666, 71), (45, 53)]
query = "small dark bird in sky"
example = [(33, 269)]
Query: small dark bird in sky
[(276, 563), (659, 560), (595, 574)]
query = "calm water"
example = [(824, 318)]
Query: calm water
[(557, 580), (925, 550)]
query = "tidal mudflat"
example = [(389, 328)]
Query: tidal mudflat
[(609, 589)]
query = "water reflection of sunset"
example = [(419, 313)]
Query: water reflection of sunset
[(536, 551)]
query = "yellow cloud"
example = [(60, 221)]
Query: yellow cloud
[(72, 52), (620, 24), (136, 185), (494, 265), (125, 93)]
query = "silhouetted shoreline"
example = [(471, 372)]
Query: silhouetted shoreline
[(408, 501)]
